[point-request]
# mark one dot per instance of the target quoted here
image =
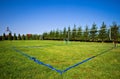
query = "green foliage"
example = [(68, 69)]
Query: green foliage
[(4, 36), (74, 33), (19, 37), (79, 34), (57, 34), (103, 32), (64, 33), (114, 31), (23, 37), (0, 38), (14, 37), (93, 32), (86, 34), (10, 36)]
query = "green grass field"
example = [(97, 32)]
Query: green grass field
[(60, 55)]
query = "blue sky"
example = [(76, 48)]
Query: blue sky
[(38, 16)]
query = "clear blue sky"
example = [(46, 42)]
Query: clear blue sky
[(38, 16)]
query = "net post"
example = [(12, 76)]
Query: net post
[(110, 34), (68, 36)]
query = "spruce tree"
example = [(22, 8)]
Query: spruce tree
[(79, 33), (57, 34), (74, 33), (61, 35), (23, 37), (93, 32), (10, 36), (114, 33), (69, 33), (0, 38), (119, 34), (19, 37), (14, 37), (64, 33), (103, 32), (4, 36), (86, 34)]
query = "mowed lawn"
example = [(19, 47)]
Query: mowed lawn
[(60, 55)]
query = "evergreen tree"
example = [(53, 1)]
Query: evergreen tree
[(57, 34), (119, 34), (64, 33), (114, 33), (23, 37), (54, 34), (86, 34), (61, 35), (4, 36), (19, 37), (34, 37), (45, 35), (26, 37), (103, 32), (69, 33), (0, 38), (79, 33), (10, 36), (38, 37), (14, 37), (74, 33), (93, 32), (50, 35)]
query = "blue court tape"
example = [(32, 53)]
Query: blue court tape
[(57, 70), (37, 61)]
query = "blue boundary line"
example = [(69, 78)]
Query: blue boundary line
[(37, 61), (57, 70)]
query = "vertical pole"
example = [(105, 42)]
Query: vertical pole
[(68, 35), (115, 36), (110, 34)]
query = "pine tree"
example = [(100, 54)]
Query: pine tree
[(14, 37), (39, 37), (74, 33), (45, 35), (50, 35), (0, 38), (19, 37), (4, 36), (10, 36), (57, 34), (69, 33), (103, 32), (86, 34), (61, 35), (64, 33), (93, 32), (36, 37), (114, 33), (119, 34), (23, 37), (79, 33)]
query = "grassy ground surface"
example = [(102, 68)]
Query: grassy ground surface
[(60, 55)]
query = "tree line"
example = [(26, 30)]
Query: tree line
[(19, 37), (75, 34), (88, 34)]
